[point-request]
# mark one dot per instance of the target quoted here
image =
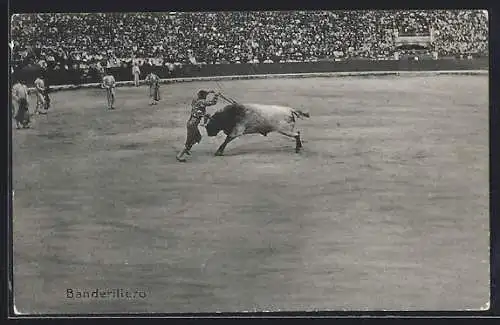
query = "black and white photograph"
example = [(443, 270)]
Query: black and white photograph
[(250, 161)]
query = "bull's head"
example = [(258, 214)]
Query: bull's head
[(213, 126), (224, 119)]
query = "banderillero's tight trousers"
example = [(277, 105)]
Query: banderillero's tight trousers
[(193, 133)]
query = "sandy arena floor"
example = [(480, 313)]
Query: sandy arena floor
[(386, 208)]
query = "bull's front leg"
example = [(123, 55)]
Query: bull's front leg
[(220, 151), (288, 131), (237, 131)]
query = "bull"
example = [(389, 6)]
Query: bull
[(236, 120)]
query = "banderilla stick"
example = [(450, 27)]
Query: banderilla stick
[(232, 101), (229, 100)]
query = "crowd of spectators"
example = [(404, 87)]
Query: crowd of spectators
[(75, 41)]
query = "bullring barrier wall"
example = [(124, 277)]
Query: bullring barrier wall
[(275, 70)]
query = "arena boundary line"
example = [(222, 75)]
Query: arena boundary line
[(284, 75)]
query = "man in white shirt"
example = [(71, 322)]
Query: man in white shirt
[(171, 68), (136, 72)]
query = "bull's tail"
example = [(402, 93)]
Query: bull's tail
[(298, 113)]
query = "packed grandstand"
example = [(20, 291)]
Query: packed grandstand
[(78, 41)]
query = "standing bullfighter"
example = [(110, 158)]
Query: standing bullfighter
[(239, 119), (109, 83), (198, 110), (20, 99), (154, 88), (41, 104)]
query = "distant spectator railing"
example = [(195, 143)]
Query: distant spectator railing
[(124, 74)]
